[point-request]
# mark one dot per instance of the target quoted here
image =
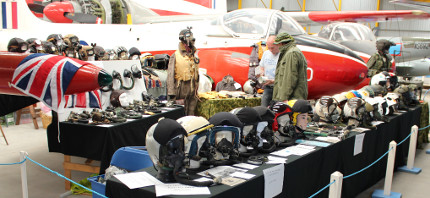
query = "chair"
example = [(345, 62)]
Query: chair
[(33, 112), (131, 158)]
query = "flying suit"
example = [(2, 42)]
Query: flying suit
[(291, 76), (183, 78), (378, 63)]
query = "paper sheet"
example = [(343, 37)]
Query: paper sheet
[(245, 166), (221, 171), (273, 180), (276, 160), (137, 179), (294, 150), (242, 175), (180, 189), (358, 146)]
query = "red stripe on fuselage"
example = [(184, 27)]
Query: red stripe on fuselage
[(205, 3), (167, 12)]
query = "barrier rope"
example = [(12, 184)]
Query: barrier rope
[(423, 128), (13, 163), (322, 189), (346, 177), (58, 174)]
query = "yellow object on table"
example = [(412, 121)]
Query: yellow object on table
[(208, 107)]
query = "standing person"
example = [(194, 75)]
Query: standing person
[(381, 60), (183, 72), (291, 76), (267, 69)]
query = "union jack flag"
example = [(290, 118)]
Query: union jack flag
[(91, 99), (46, 77)]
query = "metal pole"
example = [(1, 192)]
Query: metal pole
[(22, 156), (336, 188), (390, 168), (412, 147)]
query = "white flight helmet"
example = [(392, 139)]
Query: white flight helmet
[(392, 102), (248, 88), (379, 79), (197, 129)]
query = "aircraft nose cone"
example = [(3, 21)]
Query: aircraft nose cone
[(104, 78)]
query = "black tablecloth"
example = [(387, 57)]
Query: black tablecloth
[(98, 142), (307, 174)]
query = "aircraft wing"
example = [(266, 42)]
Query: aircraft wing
[(416, 4), (325, 17)]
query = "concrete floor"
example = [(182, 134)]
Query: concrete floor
[(43, 184)]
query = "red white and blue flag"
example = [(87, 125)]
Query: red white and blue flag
[(91, 99), (46, 77), (9, 14)]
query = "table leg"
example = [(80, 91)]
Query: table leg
[(68, 166)]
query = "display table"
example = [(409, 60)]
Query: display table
[(208, 107), (99, 142), (305, 175)]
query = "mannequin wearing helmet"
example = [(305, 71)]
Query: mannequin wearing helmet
[(17, 45), (165, 145), (381, 60), (183, 72), (290, 121)]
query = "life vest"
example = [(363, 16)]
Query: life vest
[(185, 68)]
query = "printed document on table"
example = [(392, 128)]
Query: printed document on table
[(180, 189), (276, 160), (220, 171), (137, 179), (294, 150), (358, 146), (273, 180)]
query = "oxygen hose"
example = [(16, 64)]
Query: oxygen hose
[(187, 181)]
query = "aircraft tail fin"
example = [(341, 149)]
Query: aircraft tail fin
[(16, 15)]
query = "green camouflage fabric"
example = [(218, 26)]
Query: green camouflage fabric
[(283, 37), (291, 75), (424, 121), (376, 64), (208, 107)]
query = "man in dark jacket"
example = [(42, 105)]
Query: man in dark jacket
[(291, 76)]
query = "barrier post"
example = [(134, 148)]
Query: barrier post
[(409, 168), (388, 175), (336, 188), (22, 156)]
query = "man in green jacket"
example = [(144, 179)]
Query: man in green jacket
[(381, 60), (291, 76)]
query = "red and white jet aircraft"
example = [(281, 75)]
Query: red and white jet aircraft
[(223, 41)]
